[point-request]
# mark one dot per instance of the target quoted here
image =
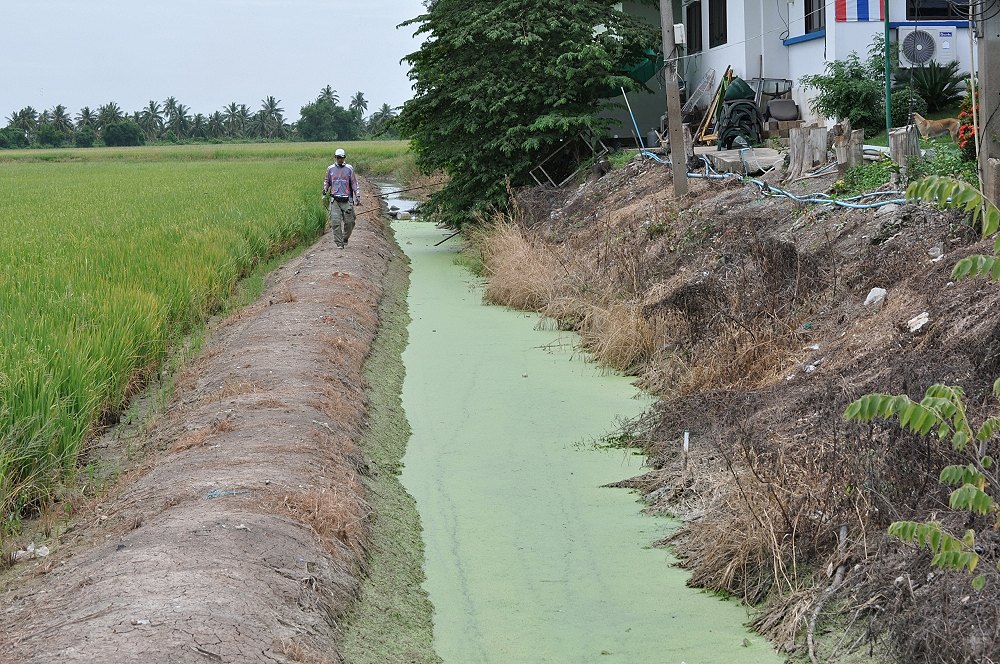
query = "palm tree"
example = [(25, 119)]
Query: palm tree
[(179, 121), (61, 119), (216, 125), (86, 118), (169, 108), (44, 118), (151, 120), (199, 126), (380, 119), (108, 114), (259, 124), (274, 121), (243, 118), (358, 104), (328, 95), (26, 120)]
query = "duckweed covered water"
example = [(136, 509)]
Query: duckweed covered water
[(528, 559)]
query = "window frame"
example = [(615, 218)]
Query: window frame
[(718, 23), (694, 29), (815, 16), (951, 13)]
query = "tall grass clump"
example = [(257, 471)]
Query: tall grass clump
[(576, 289), (109, 256)]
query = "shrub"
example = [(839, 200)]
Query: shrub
[(864, 178), (905, 101), (944, 159), (85, 138), (940, 85), (12, 137), (853, 89), (49, 136), (123, 133)]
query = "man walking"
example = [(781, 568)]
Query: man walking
[(342, 186)]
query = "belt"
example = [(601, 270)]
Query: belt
[(341, 199)]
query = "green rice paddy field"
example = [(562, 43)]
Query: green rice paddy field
[(109, 256)]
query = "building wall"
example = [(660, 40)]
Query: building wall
[(733, 52), (803, 58), (769, 32), (647, 106)]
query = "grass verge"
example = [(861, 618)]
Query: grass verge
[(392, 621)]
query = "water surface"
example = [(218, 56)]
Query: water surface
[(528, 559)]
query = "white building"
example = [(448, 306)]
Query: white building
[(790, 38)]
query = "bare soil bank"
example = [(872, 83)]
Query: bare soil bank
[(746, 314), (242, 535)]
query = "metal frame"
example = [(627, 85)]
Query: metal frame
[(540, 168)]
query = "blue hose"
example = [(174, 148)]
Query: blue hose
[(770, 190)]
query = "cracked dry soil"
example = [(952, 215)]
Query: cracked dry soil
[(242, 535)]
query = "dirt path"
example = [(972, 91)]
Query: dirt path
[(241, 537)]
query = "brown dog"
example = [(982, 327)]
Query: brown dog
[(929, 128)]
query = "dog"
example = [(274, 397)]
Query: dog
[(929, 128)]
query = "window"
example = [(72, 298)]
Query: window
[(815, 15), (946, 10), (692, 20), (717, 28)]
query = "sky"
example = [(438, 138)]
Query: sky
[(206, 53)]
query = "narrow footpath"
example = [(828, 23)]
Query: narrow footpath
[(528, 558)]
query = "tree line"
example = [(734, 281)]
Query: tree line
[(170, 121)]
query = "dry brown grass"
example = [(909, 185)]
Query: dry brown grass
[(619, 336), (520, 275), (196, 438), (738, 357), (338, 516), (296, 651), (235, 388)]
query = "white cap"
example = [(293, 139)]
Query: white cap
[(340, 153)]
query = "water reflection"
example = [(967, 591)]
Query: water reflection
[(399, 208)]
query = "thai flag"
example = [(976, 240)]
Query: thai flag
[(860, 10)]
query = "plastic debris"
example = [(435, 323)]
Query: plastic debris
[(31, 552), (219, 493)]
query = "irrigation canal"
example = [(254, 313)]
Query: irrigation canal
[(528, 559)]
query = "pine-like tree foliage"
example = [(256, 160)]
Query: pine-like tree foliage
[(498, 85)]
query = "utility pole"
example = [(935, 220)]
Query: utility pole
[(888, 71), (678, 157), (988, 27)]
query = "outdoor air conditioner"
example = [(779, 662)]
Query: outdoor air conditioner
[(918, 45)]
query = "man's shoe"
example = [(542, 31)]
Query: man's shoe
[(340, 245)]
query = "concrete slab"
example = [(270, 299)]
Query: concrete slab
[(751, 162)]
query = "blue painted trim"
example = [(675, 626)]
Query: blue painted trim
[(809, 36), (929, 24)]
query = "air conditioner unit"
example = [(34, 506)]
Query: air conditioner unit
[(918, 45)]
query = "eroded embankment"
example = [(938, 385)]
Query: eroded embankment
[(242, 535), (748, 316), (392, 620)]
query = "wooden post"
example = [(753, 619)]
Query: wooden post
[(674, 122), (847, 145), (808, 147), (688, 143), (903, 145), (989, 93)]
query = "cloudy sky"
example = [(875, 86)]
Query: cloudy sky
[(206, 53)]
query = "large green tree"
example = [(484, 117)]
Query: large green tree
[(499, 84)]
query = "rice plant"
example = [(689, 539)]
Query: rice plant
[(107, 256)]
